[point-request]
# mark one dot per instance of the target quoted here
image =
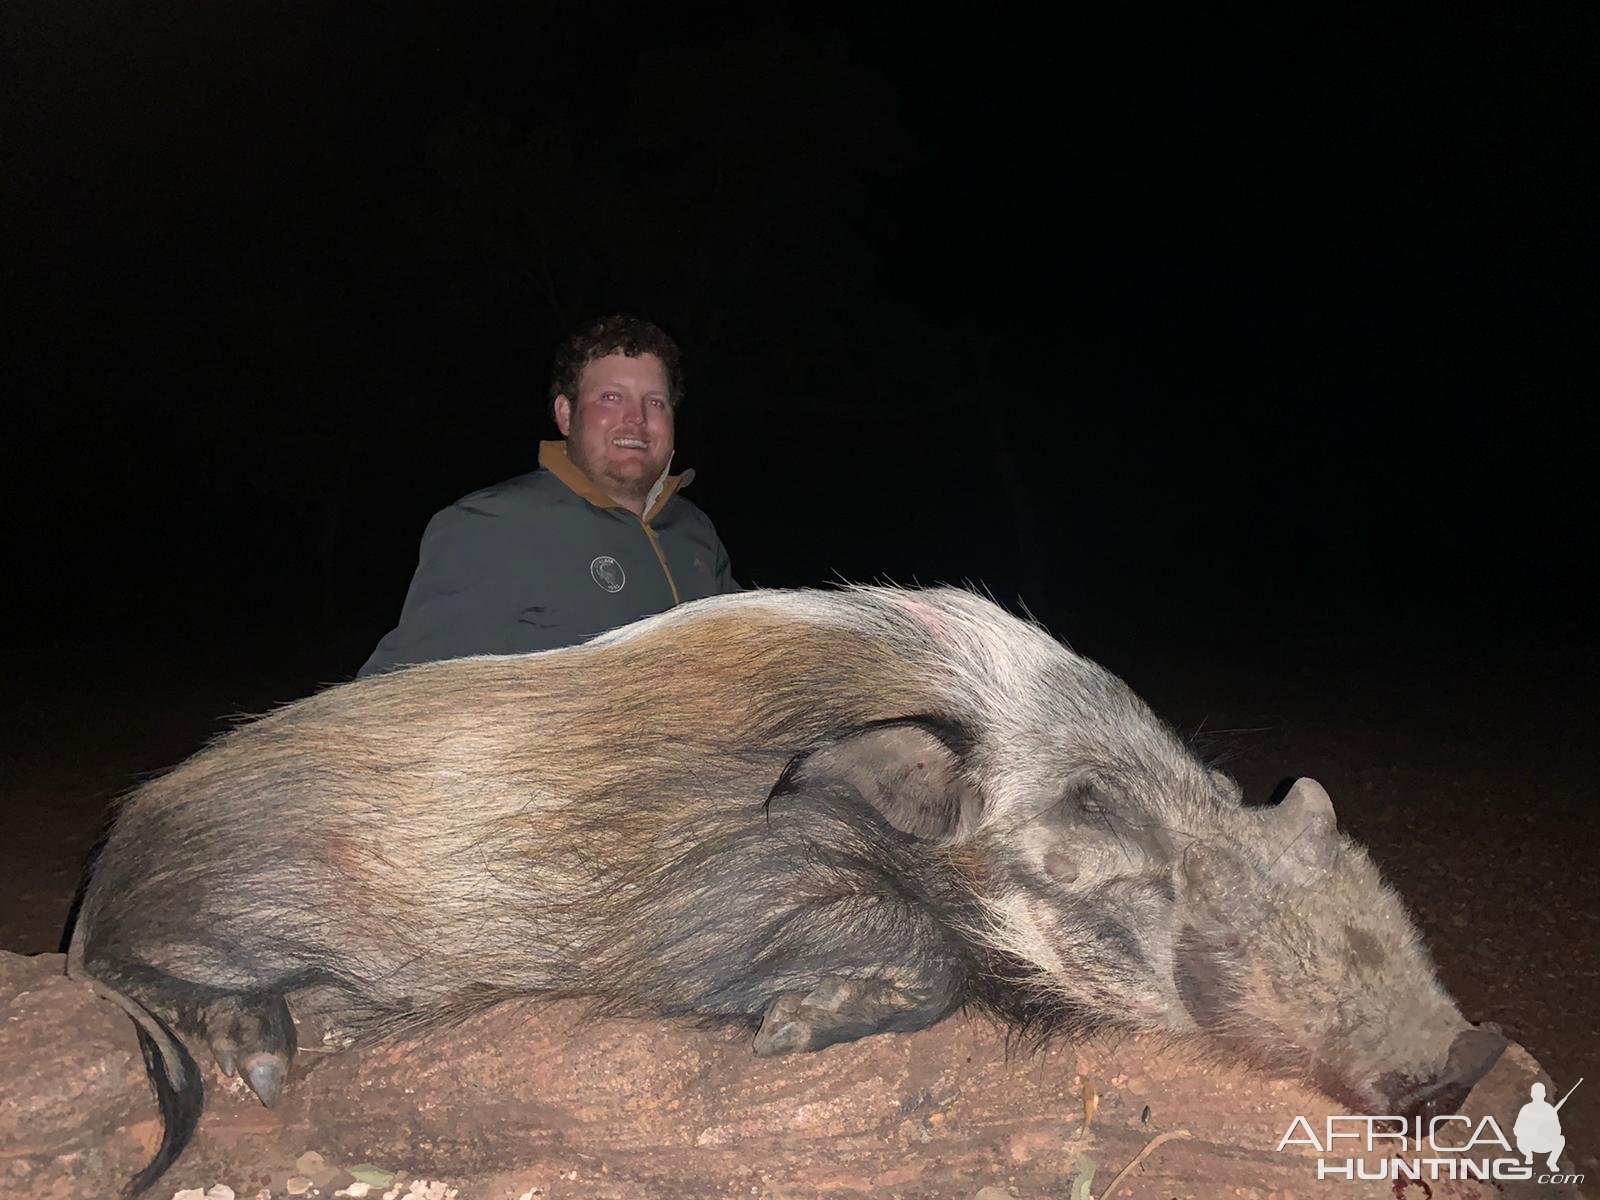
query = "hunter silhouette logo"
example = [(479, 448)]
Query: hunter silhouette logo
[(1538, 1128), (1402, 1149)]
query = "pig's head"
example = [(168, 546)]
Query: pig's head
[(1291, 949), (1121, 883), (1144, 896)]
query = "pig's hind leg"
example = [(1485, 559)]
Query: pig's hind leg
[(253, 1036), (242, 1013), (250, 1032)]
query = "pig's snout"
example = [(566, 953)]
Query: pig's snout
[(1472, 1054)]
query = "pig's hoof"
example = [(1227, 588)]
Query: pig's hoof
[(226, 1051), (256, 1032), (784, 1030), (223, 1032), (266, 1074)]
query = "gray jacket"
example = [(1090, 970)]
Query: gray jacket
[(547, 560)]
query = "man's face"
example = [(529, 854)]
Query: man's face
[(619, 429)]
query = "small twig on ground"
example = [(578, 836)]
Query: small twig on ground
[(1141, 1156)]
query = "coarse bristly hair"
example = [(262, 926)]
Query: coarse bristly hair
[(907, 800)]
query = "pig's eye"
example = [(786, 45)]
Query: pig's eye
[(1084, 800), (1084, 803)]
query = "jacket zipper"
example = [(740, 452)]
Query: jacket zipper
[(655, 544)]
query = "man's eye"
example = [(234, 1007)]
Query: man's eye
[(658, 401)]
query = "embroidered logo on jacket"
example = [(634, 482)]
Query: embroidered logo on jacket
[(608, 573)]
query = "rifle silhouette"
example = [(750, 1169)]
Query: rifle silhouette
[(1570, 1090)]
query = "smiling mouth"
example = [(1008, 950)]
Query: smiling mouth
[(630, 443)]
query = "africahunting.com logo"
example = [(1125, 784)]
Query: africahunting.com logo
[(1442, 1147)]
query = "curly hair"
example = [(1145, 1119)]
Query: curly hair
[(619, 334)]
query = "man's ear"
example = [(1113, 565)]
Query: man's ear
[(562, 409)]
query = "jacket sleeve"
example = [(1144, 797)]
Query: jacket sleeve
[(450, 609)]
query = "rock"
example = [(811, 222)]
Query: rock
[(74, 1087), (312, 1166), (524, 1098)]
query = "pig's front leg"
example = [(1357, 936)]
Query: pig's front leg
[(842, 1010)]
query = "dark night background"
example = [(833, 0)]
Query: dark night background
[(1197, 324), (1256, 356)]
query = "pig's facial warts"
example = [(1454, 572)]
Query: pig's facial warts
[(1080, 894), (1082, 841)]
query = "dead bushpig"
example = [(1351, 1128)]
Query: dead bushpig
[(821, 815)]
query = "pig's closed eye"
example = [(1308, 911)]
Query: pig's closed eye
[(1082, 802)]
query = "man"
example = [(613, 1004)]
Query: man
[(597, 537)]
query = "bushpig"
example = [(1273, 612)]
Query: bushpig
[(816, 814)]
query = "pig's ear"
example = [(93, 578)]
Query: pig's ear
[(1300, 832), (909, 769), (1305, 809)]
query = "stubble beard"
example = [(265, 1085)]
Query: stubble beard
[(632, 488)]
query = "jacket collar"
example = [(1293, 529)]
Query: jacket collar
[(553, 458)]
